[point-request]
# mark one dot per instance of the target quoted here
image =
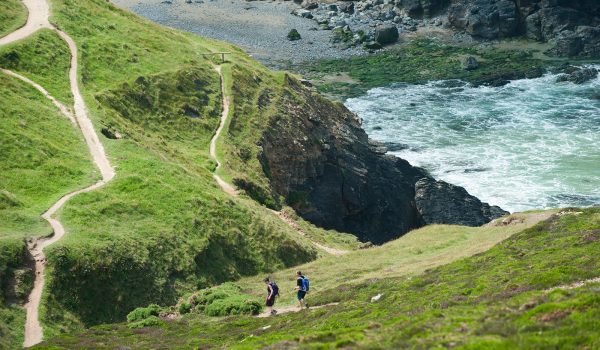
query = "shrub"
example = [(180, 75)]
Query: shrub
[(184, 308), (147, 322), (294, 35), (226, 299), (142, 313), (234, 305)]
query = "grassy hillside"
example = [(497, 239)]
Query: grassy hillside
[(42, 157), (499, 299), (44, 58), (13, 16), (162, 227)]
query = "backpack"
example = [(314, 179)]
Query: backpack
[(305, 284), (275, 289)]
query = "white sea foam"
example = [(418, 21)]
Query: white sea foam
[(531, 144)]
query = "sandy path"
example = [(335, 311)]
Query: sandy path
[(228, 188), (39, 12), (288, 309), (293, 224), (574, 285), (38, 18)]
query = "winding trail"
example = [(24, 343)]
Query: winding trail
[(229, 189), (39, 13), (289, 309), (574, 285)]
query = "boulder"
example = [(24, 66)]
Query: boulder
[(579, 76), (469, 63), (439, 202), (490, 19), (386, 34), (310, 5), (346, 7), (302, 13), (584, 42)]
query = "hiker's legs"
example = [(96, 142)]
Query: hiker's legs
[(300, 296)]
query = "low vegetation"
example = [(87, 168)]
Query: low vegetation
[(515, 295), (13, 16), (44, 58), (418, 62)]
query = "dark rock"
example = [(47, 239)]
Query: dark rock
[(306, 83), (395, 147), (110, 133), (309, 5), (579, 76), (584, 42), (321, 160), (386, 34), (346, 7), (439, 202), (373, 45), (488, 19), (469, 63), (302, 13)]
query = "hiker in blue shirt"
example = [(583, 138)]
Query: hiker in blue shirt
[(302, 286), (272, 292)]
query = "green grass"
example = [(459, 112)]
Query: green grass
[(44, 58), (11, 326), (162, 227), (329, 238), (12, 17), (493, 300), (42, 157), (419, 62)]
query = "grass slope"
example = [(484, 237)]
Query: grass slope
[(162, 227), (44, 58), (42, 157), (13, 16), (493, 300)]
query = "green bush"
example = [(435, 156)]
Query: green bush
[(226, 299), (142, 313), (294, 35), (148, 322), (184, 308), (234, 305)]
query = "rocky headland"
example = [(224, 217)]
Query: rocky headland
[(319, 157)]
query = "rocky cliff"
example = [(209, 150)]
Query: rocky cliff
[(572, 26), (319, 158)]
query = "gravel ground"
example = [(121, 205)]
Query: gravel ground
[(259, 27)]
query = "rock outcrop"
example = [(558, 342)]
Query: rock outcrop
[(320, 159), (579, 76), (572, 26)]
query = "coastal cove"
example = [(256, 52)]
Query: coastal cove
[(530, 144)]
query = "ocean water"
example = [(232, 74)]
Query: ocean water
[(531, 144)]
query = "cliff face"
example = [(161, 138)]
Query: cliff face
[(573, 26), (320, 159)]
